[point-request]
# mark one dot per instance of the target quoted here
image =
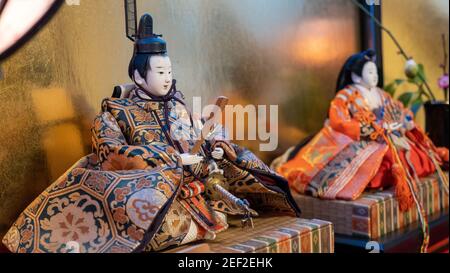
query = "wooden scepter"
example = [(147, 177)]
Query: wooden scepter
[(221, 102)]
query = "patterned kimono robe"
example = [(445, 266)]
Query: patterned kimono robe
[(133, 194), (352, 152)]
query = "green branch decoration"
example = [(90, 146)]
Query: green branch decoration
[(415, 73), (443, 80)]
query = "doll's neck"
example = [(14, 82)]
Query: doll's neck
[(147, 95), (365, 88), (371, 95), (142, 94)]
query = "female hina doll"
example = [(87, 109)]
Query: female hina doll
[(144, 189), (370, 141)]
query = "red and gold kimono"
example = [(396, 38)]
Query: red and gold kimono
[(133, 194), (353, 152)]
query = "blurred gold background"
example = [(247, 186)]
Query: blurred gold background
[(287, 53), (418, 25)]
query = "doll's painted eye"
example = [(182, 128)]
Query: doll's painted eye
[(161, 73)]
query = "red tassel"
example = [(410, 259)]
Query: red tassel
[(402, 191), (443, 154)]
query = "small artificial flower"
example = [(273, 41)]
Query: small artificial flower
[(411, 68), (443, 82)]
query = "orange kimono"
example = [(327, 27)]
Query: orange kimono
[(353, 152)]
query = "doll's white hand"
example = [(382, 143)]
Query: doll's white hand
[(190, 159), (392, 126), (217, 154)]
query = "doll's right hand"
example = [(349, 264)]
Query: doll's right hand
[(218, 153), (190, 159), (392, 126)]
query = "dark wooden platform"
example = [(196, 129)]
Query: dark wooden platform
[(406, 240)]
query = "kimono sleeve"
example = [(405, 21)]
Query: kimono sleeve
[(114, 153), (406, 116), (341, 119)]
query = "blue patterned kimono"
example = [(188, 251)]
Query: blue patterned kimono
[(133, 194)]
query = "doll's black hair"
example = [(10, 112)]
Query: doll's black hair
[(141, 63), (354, 64)]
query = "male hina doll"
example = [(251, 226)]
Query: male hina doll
[(142, 189), (370, 141)]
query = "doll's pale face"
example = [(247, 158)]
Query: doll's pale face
[(159, 76), (369, 75)]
